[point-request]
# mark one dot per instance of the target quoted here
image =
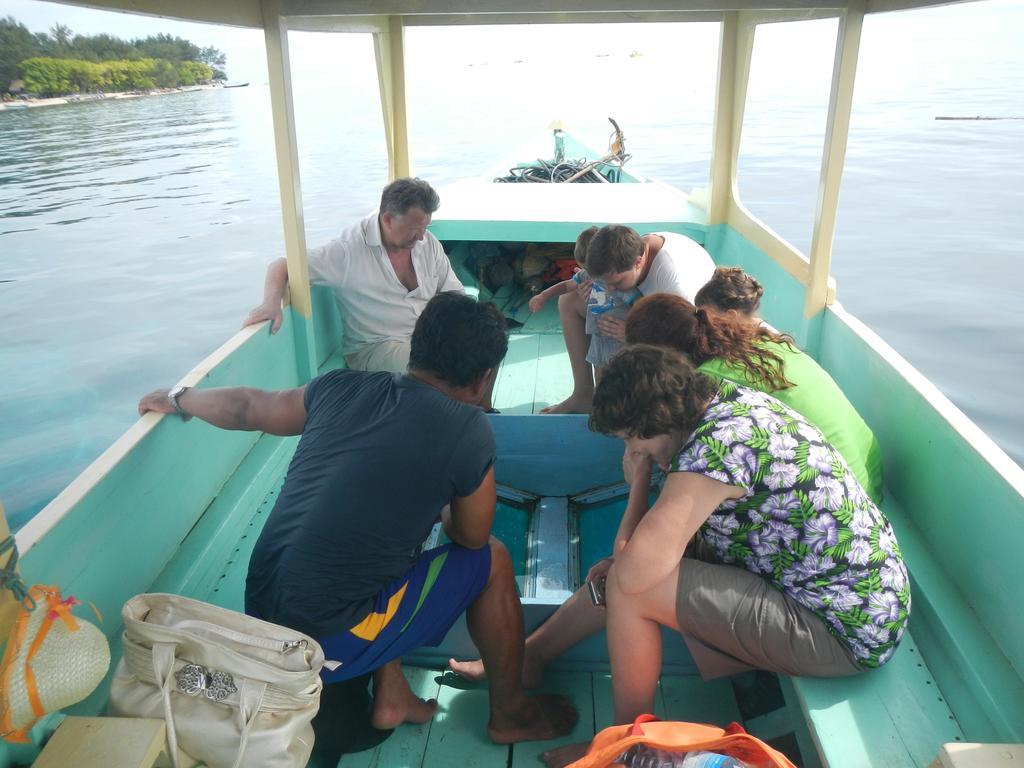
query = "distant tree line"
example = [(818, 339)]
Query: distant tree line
[(60, 62), (57, 77)]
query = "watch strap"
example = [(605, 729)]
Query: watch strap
[(173, 396)]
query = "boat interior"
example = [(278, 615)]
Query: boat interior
[(560, 496), (177, 507)]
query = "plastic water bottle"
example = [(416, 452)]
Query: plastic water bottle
[(598, 303), (643, 756)]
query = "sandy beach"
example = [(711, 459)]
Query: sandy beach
[(89, 97)]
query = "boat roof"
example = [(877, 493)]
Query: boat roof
[(363, 15)]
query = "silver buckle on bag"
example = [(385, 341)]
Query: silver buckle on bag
[(194, 679)]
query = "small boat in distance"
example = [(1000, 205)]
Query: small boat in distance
[(235, 85)]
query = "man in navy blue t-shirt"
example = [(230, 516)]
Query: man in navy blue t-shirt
[(381, 458)]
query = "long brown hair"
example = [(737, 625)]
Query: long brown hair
[(671, 321)]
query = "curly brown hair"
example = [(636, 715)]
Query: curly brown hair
[(647, 391), (671, 321), (731, 288)]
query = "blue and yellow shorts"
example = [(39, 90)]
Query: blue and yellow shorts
[(414, 610)]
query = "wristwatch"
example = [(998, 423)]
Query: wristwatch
[(173, 396)]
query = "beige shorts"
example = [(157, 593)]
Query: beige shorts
[(733, 621), (388, 355)]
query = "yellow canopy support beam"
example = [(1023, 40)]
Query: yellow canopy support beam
[(286, 146), (820, 286), (389, 51), (725, 207)]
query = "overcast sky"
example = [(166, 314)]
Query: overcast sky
[(989, 29)]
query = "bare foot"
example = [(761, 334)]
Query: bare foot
[(388, 714), (470, 670), (539, 718), (533, 673), (562, 756), (574, 403)]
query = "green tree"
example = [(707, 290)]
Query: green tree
[(128, 75), (46, 76), (16, 45), (167, 47), (164, 74), (193, 72), (61, 35), (213, 57), (216, 60), (101, 48), (87, 76), (60, 62)]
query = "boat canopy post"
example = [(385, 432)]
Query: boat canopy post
[(736, 43), (735, 51), (286, 145), (389, 51), (820, 287)]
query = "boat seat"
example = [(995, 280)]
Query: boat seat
[(98, 742), (894, 717), (899, 715)]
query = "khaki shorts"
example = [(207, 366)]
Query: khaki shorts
[(733, 621), (390, 355)]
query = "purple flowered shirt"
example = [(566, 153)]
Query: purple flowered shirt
[(804, 522)]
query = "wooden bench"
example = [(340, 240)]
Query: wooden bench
[(902, 714), (101, 742)]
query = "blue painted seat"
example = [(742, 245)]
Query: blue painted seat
[(900, 714)]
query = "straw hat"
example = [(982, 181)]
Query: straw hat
[(53, 660)]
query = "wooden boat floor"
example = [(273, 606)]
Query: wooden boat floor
[(457, 736), (535, 373)]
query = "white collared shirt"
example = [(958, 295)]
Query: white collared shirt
[(374, 304), (681, 267)]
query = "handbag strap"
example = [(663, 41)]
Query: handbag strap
[(250, 699), (163, 671)]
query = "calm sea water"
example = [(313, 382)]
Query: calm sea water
[(134, 234)]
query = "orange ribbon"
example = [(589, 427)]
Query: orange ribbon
[(58, 609)]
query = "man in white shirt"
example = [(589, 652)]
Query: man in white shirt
[(620, 259), (383, 270)]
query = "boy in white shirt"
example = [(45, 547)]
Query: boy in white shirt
[(622, 260), (600, 303)]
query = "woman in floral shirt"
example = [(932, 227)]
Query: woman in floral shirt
[(789, 566)]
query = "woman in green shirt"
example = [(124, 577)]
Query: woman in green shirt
[(730, 346)]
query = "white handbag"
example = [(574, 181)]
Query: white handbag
[(234, 691)]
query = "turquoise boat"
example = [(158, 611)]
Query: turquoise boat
[(175, 507)]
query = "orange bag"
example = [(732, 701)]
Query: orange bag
[(680, 737)]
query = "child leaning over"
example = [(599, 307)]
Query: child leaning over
[(599, 302)]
